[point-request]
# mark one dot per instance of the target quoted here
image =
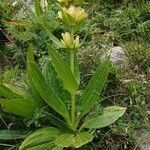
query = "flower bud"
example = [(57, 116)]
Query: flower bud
[(68, 41)]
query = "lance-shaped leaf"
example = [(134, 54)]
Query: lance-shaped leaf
[(46, 92), (76, 141), (34, 91), (18, 106), (7, 93), (38, 8), (77, 70), (53, 81), (42, 139), (94, 88), (76, 63), (109, 116), (63, 70), (16, 89)]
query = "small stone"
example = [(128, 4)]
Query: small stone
[(118, 57)]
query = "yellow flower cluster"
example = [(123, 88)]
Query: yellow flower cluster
[(69, 42), (73, 15)]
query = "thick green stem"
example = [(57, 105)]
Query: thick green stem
[(73, 98)]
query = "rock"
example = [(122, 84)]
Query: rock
[(118, 57)]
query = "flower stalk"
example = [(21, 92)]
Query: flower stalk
[(72, 16)]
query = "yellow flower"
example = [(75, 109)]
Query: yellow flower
[(73, 15), (68, 41)]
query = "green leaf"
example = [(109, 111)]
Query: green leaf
[(38, 8), (38, 99), (70, 140), (53, 81), (12, 134), (91, 94), (49, 73), (63, 70), (109, 116), (46, 92), (30, 54), (77, 71), (42, 139), (19, 106), (19, 91), (7, 93)]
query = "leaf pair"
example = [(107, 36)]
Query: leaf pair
[(75, 141), (40, 84), (90, 95), (52, 139), (19, 101)]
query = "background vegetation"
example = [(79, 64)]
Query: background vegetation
[(124, 23)]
